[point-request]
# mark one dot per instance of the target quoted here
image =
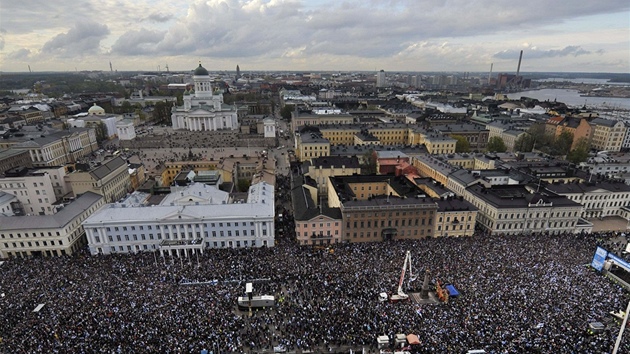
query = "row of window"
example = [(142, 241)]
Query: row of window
[(177, 236), (195, 226), (534, 225), (222, 244), (30, 244), (376, 234), (453, 228), (403, 223), (19, 185), (34, 234), (391, 214)]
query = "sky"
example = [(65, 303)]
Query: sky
[(303, 35)]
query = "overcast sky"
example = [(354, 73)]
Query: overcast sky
[(395, 35)]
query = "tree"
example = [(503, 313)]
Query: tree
[(524, 143), (580, 152), (126, 107), (462, 144), (141, 115), (562, 143), (540, 139), (285, 112), (496, 144), (101, 132), (161, 112), (243, 185), (369, 163)]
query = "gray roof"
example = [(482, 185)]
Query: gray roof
[(454, 204), (304, 208), (6, 197), (605, 122), (58, 220), (517, 196), (387, 154), (7, 153), (408, 191), (335, 161), (572, 188), (464, 177), (48, 138), (108, 167)]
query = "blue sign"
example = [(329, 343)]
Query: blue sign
[(599, 258), (620, 262)]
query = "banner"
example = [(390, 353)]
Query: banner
[(599, 258)]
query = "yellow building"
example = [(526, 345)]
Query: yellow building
[(380, 208), (54, 149), (431, 166), (608, 134), (111, 180), (455, 217), (303, 119), (323, 167), (311, 145), (232, 169)]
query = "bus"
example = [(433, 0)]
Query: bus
[(257, 302)]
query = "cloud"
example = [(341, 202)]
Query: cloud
[(535, 53), (352, 32), (82, 39), (19, 54), (159, 17), (137, 42)]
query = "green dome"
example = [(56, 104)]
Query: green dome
[(201, 71)]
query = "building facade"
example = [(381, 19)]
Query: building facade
[(608, 135), (600, 199), (111, 180), (10, 159), (204, 109), (48, 235), (33, 188), (517, 209), (55, 149), (381, 208), (188, 221)]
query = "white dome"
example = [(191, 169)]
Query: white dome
[(96, 110)]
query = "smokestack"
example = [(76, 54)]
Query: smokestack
[(520, 58), (490, 74)]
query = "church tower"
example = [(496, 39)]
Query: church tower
[(203, 83)]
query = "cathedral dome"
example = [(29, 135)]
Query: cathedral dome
[(200, 71), (96, 110)]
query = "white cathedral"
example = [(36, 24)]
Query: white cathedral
[(203, 109)]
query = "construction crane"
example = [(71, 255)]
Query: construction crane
[(400, 296)]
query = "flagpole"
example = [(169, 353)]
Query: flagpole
[(623, 327)]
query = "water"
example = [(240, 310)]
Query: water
[(572, 98), (584, 80)]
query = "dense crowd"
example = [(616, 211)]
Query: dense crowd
[(519, 294), (195, 139)]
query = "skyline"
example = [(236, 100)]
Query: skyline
[(317, 35)]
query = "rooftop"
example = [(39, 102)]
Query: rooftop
[(58, 220)]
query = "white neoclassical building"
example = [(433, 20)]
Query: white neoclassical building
[(187, 221), (125, 129), (203, 108)]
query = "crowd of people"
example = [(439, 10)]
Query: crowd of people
[(194, 139), (519, 294)]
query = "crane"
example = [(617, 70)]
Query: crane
[(406, 265)]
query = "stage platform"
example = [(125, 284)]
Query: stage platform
[(432, 299)]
